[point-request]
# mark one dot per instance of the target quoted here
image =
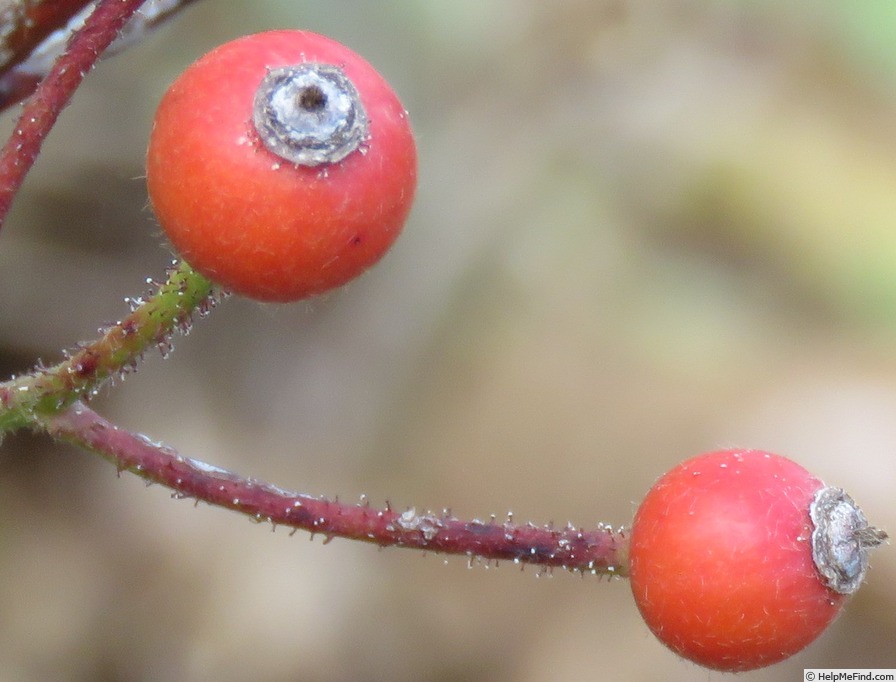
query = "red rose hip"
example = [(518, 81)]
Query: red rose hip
[(281, 165), (740, 558)]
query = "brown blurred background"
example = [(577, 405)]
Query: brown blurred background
[(641, 233)]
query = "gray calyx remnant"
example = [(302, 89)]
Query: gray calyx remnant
[(841, 539), (310, 114)]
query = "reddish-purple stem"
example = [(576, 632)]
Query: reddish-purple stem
[(28, 22), (19, 77), (602, 551), (43, 108)]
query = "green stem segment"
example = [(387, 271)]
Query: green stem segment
[(45, 391)]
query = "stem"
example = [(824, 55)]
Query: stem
[(46, 390), (601, 551), (38, 35), (28, 23), (41, 111)]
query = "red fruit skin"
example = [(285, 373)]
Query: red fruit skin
[(721, 560), (253, 222)]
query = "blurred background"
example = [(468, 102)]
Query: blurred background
[(642, 232)]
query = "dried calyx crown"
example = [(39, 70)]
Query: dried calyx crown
[(310, 114), (841, 539)]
